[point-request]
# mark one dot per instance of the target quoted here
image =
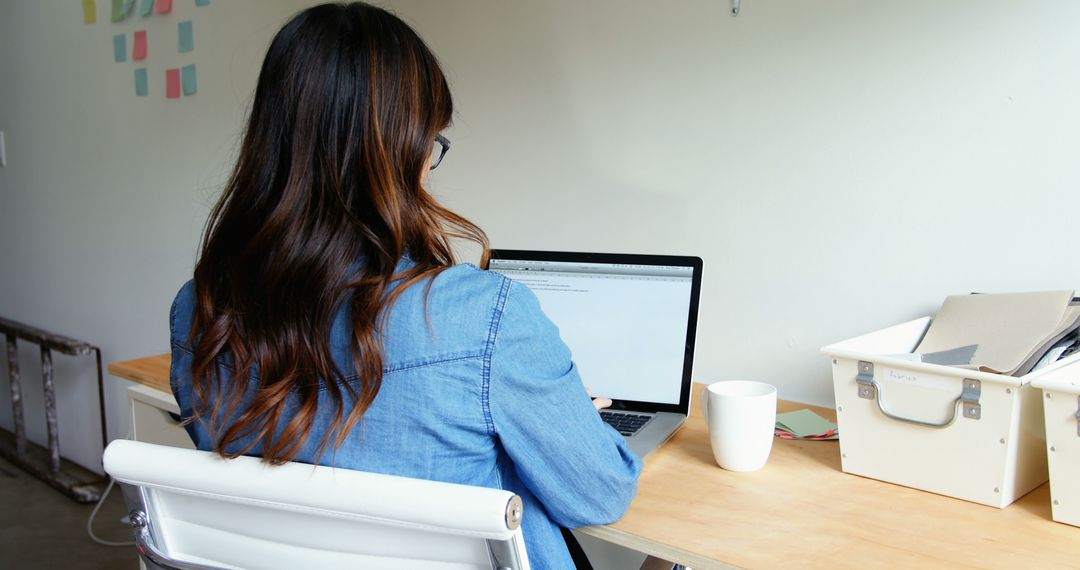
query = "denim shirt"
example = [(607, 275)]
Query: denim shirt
[(481, 391)]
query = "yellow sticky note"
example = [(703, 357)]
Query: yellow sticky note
[(89, 11)]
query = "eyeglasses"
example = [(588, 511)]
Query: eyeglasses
[(438, 150)]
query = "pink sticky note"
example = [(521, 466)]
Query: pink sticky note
[(172, 83), (139, 51), (163, 6)]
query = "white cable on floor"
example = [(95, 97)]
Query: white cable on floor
[(90, 521)]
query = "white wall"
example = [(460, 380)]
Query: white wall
[(840, 165), (104, 195)]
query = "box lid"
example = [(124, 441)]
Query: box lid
[(1064, 377), (887, 346)]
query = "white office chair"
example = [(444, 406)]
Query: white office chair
[(194, 510)]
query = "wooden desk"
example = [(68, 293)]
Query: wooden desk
[(801, 511), (152, 371)]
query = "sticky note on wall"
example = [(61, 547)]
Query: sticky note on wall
[(127, 7), (138, 53), (119, 42), (202, 2), (89, 11), (146, 8), (187, 36), (163, 6), (172, 83), (117, 10), (191, 85), (142, 82)]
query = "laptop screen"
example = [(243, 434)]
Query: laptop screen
[(629, 320)]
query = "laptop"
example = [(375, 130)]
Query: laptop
[(630, 323)]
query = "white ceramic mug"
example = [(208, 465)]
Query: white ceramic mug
[(741, 416)]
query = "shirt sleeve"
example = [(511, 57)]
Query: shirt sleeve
[(579, 467)]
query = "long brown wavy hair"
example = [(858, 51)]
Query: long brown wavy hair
[(324, 201)]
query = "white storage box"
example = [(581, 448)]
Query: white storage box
[(1061, 407), (963, 433)]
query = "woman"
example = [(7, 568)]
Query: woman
[(327, 322)]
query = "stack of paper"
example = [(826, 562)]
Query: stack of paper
[(1008, 333), (804, 424)]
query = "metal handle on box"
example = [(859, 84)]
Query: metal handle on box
[(968, 400)]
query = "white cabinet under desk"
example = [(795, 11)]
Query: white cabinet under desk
[(155, 417)]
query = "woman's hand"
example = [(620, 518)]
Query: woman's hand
[(600, 403)]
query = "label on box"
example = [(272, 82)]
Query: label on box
[(909, 378)]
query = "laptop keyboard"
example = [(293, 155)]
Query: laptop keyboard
[(626, 423)]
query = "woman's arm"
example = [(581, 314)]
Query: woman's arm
[(578, 466)]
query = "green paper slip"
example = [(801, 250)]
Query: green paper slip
[(803, 423), (117, 11)]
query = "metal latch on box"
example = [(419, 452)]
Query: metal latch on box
[(968, 400)]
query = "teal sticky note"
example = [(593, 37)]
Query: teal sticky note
[(202, 2), (119, 44), (187, 36), (146, 8), (126, 7), (191, 85), (117, 10), (142, 82)]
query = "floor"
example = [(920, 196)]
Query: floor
[(42, 529)]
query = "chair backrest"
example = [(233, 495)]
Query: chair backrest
[(193, 509)]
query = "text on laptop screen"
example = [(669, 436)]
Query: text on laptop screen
[(625, 324)]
